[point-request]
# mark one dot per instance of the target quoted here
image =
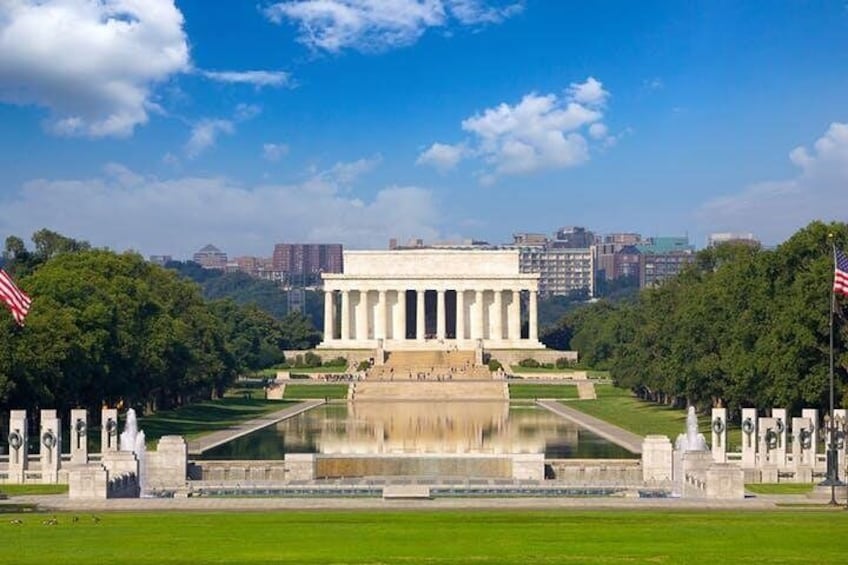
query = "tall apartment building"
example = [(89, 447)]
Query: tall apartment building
[(301, 264), (732, 237), (661, 258), (563, 266), (210, 257)]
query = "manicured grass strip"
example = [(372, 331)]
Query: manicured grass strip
[(526, 391), (330, 391), (204, 417), (780, 488), (620, 407), (22, 490), (412, 537)]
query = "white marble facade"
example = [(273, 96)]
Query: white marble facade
[(430, 299)]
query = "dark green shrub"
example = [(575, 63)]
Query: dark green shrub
[(495, 365), (529, 363)]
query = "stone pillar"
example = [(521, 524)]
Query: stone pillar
[(719, 434), (329, 321), (514, 330), (17, 446), (420, 328), (812, 414), (477, 323), (108, 430), (50, 446), (767, 438), (79, 436), (362, 316), (749, 438), (533, 332), (399, 319), (657, 459), (802, 449), (440, 314), (497, 325), (782, 429), (380, 318), (841, 414), (460, 315), (345, 315)]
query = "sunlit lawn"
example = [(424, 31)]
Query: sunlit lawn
[(523, 391), (204, 417), (303, 391), (444, 537)]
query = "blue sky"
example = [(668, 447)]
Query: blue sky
[(161, 126)]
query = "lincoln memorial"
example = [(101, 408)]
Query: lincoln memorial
[(430, 299)]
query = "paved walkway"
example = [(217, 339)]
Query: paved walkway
[(586, 390), (628, 440), (208, 441), (61, 503)]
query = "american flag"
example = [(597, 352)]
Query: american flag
[(840, 274), (16, 299)]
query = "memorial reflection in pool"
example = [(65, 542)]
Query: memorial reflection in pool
[(425, 428)]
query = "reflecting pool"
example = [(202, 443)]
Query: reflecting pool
[(387, 428)]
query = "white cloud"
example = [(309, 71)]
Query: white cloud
[(346, 173), (480, 12), (246, 112), (443, 156), (204, 134), (117, 210), (591, 93), (540, 132), (774, 210), (256, 78), (92, 64), (274, 151), (377, 25)]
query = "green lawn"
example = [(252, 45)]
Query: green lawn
[(432, 537), (524, 391), (780, 488), (204, 417), (301, 391), (21, 490), (619, 406)]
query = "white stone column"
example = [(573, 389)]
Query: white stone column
[(749, 438), (460, 315), (477, 320), (718, 427), (79, 436), (18, 462), (514, 320), (399, 318), (497, 323), (345, 315), (329, 321), (362, 316), (50, 446), (533, 332), (440, 314), (380, 318), (419, 315)]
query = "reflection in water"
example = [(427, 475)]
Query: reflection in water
[(381, 428)]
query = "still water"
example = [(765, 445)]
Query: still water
[(385, 428)]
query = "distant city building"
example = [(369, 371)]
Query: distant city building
[(623, 238), (210, 257), (301, 264), (615, 261), (732, 237), (661, 258), (417, 243), (520, 239), (572, 237), (160, 260)]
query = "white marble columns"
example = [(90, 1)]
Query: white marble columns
[(440, 317)]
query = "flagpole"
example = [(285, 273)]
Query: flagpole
[(832, 456)]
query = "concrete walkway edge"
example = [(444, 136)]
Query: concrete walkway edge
[(208, 441), (628, 440)]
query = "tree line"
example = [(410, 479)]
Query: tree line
[(109, 328), (742, 326)]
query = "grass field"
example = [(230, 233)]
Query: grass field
[(330, 391), (19, 490), (432, 537), (204, 417), (524, 391), (780, 488)]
